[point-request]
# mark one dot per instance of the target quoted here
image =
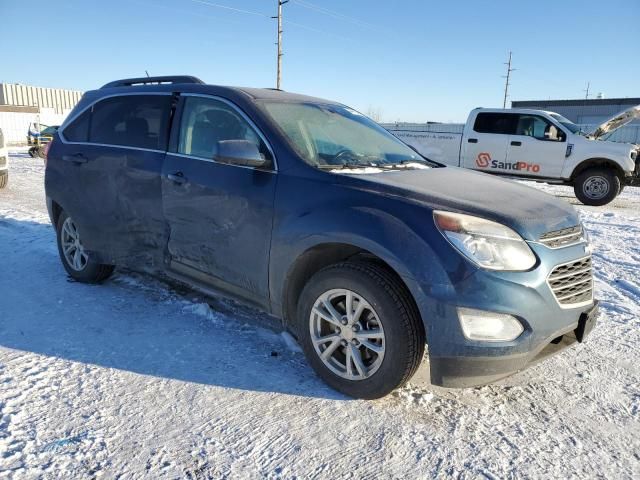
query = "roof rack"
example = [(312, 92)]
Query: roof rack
[(129, 82)]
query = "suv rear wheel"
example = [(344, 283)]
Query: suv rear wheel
[(4, 179), (597, 186), (76, 261), (360, 330)]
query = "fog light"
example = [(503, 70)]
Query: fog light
[(489, 326)]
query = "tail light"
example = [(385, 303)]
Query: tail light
[(46, 151)]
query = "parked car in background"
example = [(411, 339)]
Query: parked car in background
[(39, 139), (538, 145), (309, 210), (4, 162)]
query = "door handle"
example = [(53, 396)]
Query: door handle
[(516, 144), (76, 158), (177, 177), (473, 140)]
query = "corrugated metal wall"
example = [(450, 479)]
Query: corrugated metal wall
[(58, 99)]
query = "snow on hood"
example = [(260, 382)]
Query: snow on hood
[(619, 120), (366, 170)]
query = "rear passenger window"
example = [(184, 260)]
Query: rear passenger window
[(78, 130), (502, 123), (140, 121)]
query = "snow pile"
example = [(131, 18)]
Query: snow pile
[(136, 379)]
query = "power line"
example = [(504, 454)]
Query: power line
[(233, 9), (332, 13)]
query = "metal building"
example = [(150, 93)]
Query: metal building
[(591, 111), (23, 105)]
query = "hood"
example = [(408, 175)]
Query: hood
[(619, 120), (526, 210)]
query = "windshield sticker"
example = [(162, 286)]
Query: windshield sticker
[(484, 160)]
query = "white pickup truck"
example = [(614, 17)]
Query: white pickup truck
[(537, 145), (4, 162)]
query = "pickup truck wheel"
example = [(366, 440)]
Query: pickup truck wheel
[(597, 186), (4, 179), (76, 261), (359, 329)]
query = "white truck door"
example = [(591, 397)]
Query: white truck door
[(484, 145), (538, 147)]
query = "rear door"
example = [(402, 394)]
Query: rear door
[(219, 213), (109, 163), (485, 145), (538, 147)]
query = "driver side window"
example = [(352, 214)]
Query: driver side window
[(539, 128), (206, 122)]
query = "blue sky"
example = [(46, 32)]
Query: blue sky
[(414, 60)]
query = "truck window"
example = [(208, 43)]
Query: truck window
[(493, 122), (538, 127)]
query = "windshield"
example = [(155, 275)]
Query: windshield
[(334, 136), (568, 124)]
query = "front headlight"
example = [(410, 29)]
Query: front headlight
[(488, 244)]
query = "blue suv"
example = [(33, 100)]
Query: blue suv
[(307, 209)]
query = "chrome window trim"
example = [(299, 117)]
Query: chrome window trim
[(70, 120), (211, 160), (593, 285), (246, 118)]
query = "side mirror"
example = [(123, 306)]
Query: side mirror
[(240, 152)]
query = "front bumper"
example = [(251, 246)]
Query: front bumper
[(456, 361), (461, 372)]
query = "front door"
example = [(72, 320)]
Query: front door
[(219, 213), (538, 147)]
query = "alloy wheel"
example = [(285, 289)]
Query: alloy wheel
[(72, 248), (347, 334)]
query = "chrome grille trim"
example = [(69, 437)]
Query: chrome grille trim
[(572, 283), (563, 238)]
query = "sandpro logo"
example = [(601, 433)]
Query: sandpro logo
[(483, 160)]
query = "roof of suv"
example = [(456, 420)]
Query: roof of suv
[(193, 84)]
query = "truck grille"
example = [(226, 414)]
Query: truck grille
[(572, 283), (563, 238)]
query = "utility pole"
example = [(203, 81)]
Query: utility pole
[(279, 17), (586, 96), (506, 84)]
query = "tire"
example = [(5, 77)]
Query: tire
[(389, 319), (597, 186), (86, 270), (33, 152), (4, 179)]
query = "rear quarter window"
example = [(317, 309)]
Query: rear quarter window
[(78, 130), (494, 122)]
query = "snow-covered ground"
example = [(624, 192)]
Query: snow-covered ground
[(137, 379)]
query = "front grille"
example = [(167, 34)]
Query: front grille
[(3, 162), (572, 283), (563, 238)]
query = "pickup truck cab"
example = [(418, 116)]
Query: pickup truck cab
[(538, 145), (4, 162)]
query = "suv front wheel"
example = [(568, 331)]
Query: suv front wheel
[(76, 261), (360, 330)]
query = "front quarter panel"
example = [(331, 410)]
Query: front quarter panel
[(312, 212)]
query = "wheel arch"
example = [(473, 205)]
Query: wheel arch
[(597, 162), (322, 255)]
